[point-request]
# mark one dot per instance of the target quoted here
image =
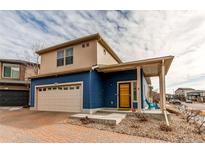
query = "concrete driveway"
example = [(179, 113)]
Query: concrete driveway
[(31, 126)]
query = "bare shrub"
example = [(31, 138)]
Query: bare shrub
[(191, 115), (141, 117), (26, 106), (86, 120), (134, 126), (165, 128), (200, 127)]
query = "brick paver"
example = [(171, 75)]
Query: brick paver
[(31, 126)]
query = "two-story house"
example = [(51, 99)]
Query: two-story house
[(183, 91), (14, 83), (86, 75), (196, 96)]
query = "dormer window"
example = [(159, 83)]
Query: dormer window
[(65, 57)]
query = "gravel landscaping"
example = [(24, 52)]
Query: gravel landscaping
[(137, 124)]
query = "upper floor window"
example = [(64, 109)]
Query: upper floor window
[(60, 58), (69, 56), (65, 57), (11, 71), (85, 45)]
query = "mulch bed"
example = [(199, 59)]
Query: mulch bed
[(139, 125)]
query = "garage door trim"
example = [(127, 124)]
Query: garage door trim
[(59, 84)]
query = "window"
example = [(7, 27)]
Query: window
[(65, 57), (104, 51), (65, 88), (11, 71), (71, 88), (85, 45), (60, 88), (44, 89), (49, 88), (134, 86), (69, 56), (60, 58)]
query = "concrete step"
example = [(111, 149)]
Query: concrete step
[(111, 119)]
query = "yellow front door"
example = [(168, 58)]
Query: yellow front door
[(124, 95)]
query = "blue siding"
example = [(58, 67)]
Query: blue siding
[(110, 85), (99, 89), (96, 90), (84, 76)]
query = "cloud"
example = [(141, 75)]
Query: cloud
[(133, 35)]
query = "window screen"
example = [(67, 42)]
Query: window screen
[(69, 56), (60, 58)]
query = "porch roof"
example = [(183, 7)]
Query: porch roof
[(151, 67)]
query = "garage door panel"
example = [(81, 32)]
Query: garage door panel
[(74, 103), (66, 98)]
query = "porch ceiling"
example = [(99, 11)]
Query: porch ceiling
[(151, 67)]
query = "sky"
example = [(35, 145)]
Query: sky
[(133, 35)]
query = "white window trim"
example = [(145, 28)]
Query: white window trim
[(64, 54), (10, 65)]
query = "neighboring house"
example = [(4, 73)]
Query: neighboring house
[(196, 95), (169, 96), (183, 91), (14, 84), (86, 75)]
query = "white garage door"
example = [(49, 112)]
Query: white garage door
[(65, 98)]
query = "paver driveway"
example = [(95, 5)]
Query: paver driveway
[(32, 126)]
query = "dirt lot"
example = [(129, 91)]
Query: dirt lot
[(32, 126), (136, 125)]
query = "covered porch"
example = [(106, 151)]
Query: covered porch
[(154, 67)]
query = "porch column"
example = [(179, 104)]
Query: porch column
[(163, 91), (139, 100)]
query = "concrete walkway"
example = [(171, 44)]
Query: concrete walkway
[(31, 126)]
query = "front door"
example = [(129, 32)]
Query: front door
[(124, 95)]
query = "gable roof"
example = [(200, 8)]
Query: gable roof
[(96, 36)]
